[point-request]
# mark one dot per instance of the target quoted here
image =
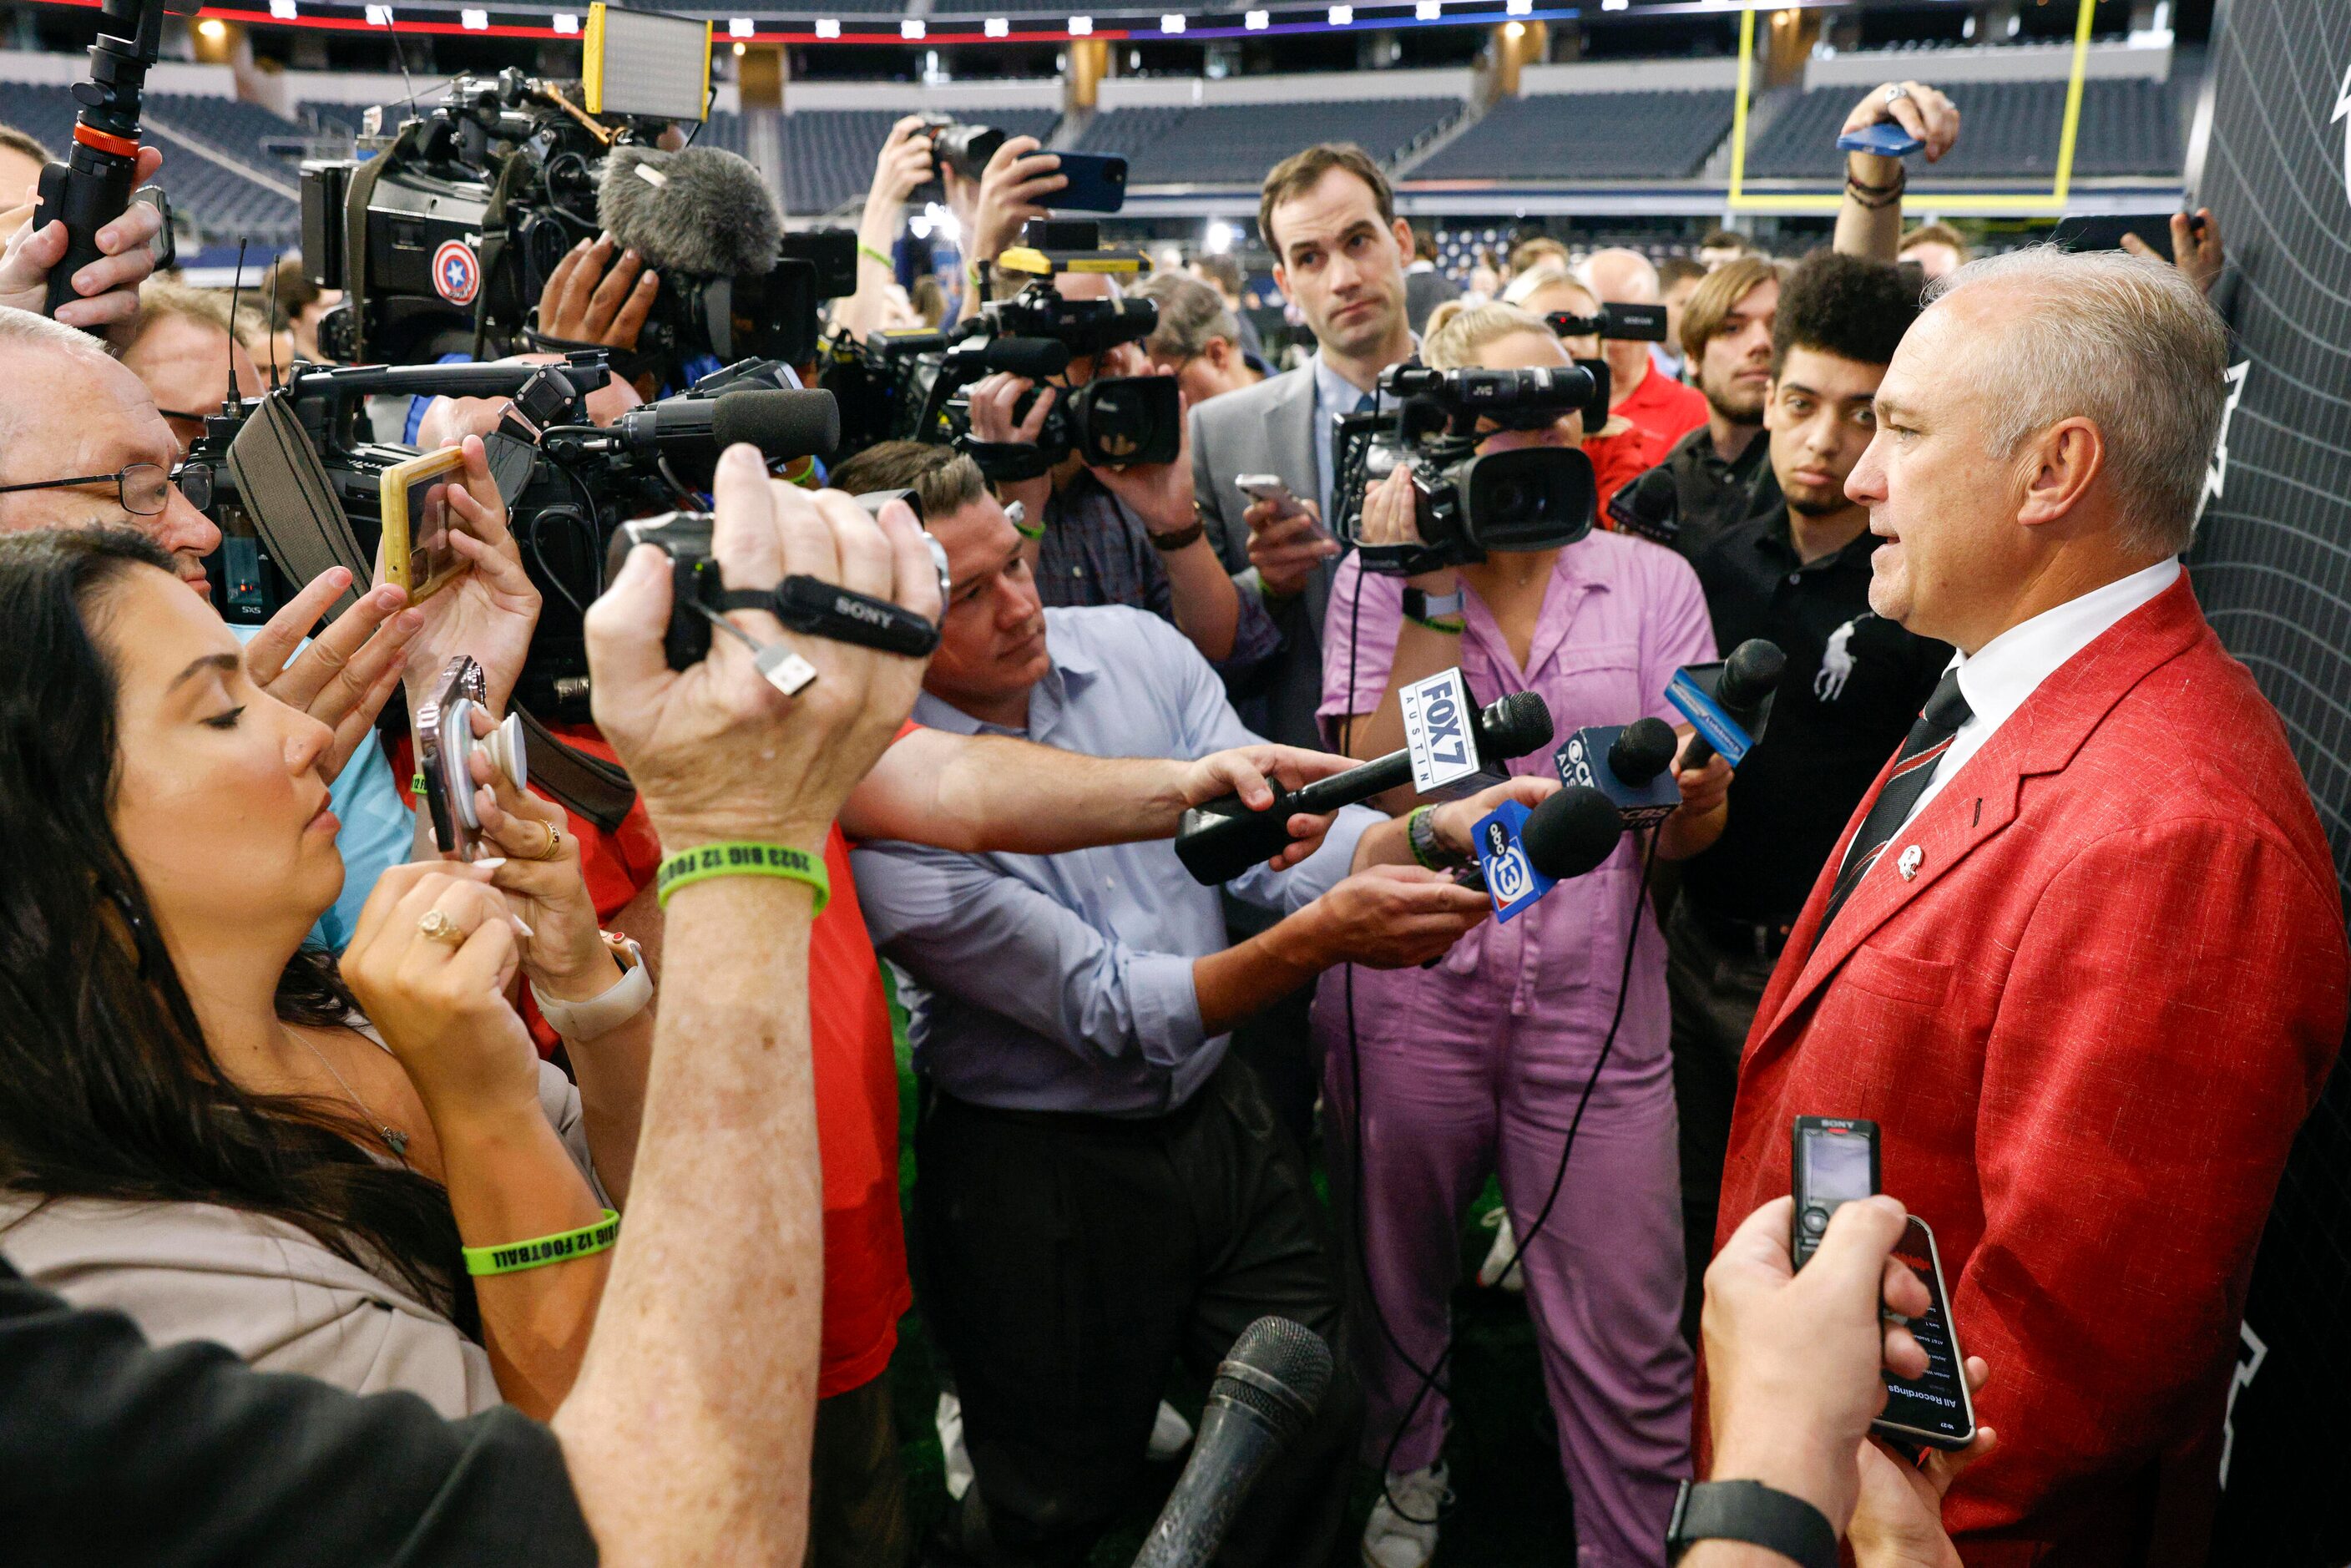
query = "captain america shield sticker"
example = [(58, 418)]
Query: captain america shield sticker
[(456, 275)]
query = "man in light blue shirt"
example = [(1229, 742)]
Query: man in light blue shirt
[(1100, 1190)]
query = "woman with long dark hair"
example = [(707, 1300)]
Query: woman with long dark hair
[(206, 1125)]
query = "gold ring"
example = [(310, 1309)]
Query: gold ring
[(435, 926), (554, 849)]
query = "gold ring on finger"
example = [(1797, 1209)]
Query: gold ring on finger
[(554, 849), (436, 926)]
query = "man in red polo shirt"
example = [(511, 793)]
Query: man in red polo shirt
[(1660, 409)]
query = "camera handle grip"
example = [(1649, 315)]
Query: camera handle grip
[(88, 193)]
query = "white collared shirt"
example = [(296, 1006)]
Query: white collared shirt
[(2007, 670)]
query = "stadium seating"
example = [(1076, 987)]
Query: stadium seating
[(1234, 144), (2008, 129), (1587, 136), (242, 131), (828, 153), (219, 201)]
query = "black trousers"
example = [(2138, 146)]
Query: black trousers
[(1715, 993), (1069, 1260), (857, 1507)]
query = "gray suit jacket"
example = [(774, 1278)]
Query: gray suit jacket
[(1267, 429)]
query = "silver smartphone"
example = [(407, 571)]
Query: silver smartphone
[(1267, 488)]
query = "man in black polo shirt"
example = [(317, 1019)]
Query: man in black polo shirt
[(1797, 574), (1721, 471)]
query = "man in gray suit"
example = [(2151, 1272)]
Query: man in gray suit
[(1340, 252)]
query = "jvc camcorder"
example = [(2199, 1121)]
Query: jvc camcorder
[(1466, 505)]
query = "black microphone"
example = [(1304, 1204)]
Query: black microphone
[(1748, 679), (1035, 358), (1572, 833), (1629, 763), (691, 432), (700, 211), (1220, 839), (1265, 1393), (1650, 507)]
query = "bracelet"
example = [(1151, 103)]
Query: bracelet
[(1451, 627), (1420, 833), (1876, 197), (623, 1000), (1181, 539), (416, 785), (870, 253), (1016, 515), (513, 1257), (690, 866)]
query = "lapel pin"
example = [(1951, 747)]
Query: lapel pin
[(1909, 865)]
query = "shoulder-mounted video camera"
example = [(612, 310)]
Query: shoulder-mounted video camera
[(1467, 506), (444, 240)]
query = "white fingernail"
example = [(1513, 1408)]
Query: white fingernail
[(522, 927), (491, 863)]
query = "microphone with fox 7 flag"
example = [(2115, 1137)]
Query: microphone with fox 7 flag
[(1730, 701), (1449, 747)]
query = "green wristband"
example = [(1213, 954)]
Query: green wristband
[(514, 1256), (1449, 628), (690, 866), (870, 253)]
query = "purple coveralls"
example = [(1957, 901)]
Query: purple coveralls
[(1475, 1066)]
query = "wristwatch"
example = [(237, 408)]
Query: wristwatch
[(1751, 1512), (1419, 606), (622, 1000)]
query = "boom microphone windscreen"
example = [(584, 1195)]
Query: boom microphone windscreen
[(701, 211)]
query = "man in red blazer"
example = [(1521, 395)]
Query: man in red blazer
[(2081, 954)]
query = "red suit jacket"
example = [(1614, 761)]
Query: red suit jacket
[(2088, 1029)]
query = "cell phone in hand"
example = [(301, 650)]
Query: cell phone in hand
[(1097, 183), (1933, 1410), (1269, 488), (1887, 139)]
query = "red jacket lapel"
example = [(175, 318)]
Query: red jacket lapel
[(2040, 737)]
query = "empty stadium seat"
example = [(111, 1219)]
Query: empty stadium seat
[(219, 201), (2007, 129), (1235, 143), (1587, 136)]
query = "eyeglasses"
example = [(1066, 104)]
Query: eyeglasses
[(144, 489)]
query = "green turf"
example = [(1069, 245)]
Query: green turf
[(1513, 1510)]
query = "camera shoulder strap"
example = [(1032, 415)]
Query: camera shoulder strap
[(590, 786), (290, 500), (494, 246), (357, 195)]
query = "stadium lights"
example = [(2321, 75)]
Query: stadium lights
[(472, 21), (1172, 22), (740, 49), (1221, 236), (282, 9), (1518, 7), (911, 29), (1428, 10), (1255, 21), (212, 29), (1342, 16), (566, 22), (1515, 31), (996, 27), (739, 27), (1080, 26), (828, 28), (1613, 5)]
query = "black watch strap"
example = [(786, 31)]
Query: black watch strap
[(1752, 1512)]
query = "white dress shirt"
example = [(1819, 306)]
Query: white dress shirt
[(2012, 666)]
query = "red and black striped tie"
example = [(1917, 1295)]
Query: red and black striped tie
[(1938, 722)]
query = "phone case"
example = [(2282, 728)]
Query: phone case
[(397, 551), (1886, 138), (1097, 183), (1940, 1339)]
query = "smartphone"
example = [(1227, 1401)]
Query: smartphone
[(2105, 231), (1887, 139), (1933, 1410), (445, 743), (1267, 488), (1835, 1163), (1097, 183), (414, 498)]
